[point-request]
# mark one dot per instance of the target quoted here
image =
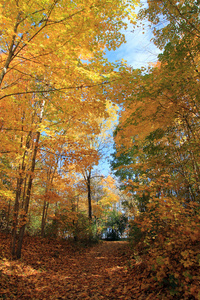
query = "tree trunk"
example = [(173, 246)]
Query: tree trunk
[(50, 178), (15, 216), (89, 205), (44, 217), (20, 181), (89, 202), (27, 199), (28, 192), (11, 50), (8, 217)]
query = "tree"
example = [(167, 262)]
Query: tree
[(52, 70), (98, 144), (115, 225), (157, 140)]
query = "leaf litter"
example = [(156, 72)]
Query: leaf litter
[(52, 269)]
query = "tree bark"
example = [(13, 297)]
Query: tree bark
[(88, 182), (8, 217), (17, 253), (27, 199), (44, 217), (11, 50), (50, 178), (20, 181)]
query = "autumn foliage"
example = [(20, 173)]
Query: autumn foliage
[(59, 101), (53, 95), (65, 270), (157, 155)]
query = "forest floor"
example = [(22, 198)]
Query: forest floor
[(51, 269)]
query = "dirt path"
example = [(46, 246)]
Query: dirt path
[(99, 272)]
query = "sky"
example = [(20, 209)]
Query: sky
[(139, 51)]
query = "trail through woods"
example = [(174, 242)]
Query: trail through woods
[(51, 270)]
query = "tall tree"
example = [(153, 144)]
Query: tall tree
[(51, 70), (158, 140)]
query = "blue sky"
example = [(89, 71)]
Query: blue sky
[(139, 51)]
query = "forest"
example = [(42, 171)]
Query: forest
[(67, 230)]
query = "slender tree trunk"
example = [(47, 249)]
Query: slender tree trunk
[(16, 206), (46, 204), (15, 216), (8, 217), (75, 224), (24, 193), (27, 199), (29, 187), (89, 199), (89, 205), (44, 217), (20, 181), (87, 177)]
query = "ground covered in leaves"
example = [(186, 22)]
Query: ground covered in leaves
[(52, 269)]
